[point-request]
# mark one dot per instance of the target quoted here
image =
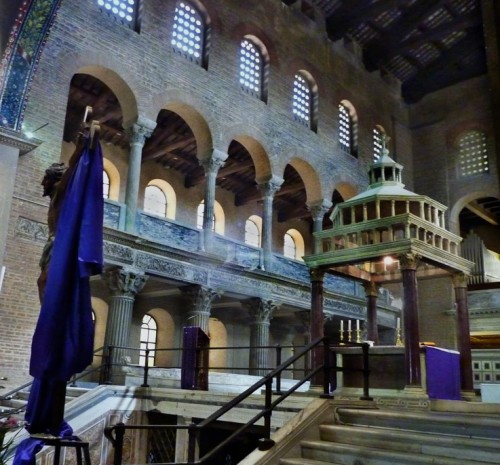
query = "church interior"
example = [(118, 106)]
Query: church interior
[(275, 172)]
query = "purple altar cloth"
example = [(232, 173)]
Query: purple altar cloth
[(443, 373)]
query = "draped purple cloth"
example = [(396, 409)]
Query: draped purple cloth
[(443, 373), (64, 336)]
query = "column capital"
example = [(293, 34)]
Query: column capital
[(212, 165), (409, 261), (199, 298), (371, 288), (125, 282), (459, 279), (140, 130), (316, 274), (270, 186), (260, 310), (319, 208)]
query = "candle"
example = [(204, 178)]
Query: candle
[(357, 325), (341, 326), (348, 325), (398, 323)]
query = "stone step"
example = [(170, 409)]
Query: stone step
[(469, 425), (346, 454), (467, 448)]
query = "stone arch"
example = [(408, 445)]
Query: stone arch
[(120, 88), (258, 154), (346, 189), (460, 204), (310, 179), (114, 179)]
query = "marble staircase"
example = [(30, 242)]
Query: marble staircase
[(371, 436)]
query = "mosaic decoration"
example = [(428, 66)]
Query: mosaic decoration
[(27, 39)]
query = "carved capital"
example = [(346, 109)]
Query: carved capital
[(271, 186), (371, 288), (123, 282), (212, 164), (199, 298), (140, 130), (260, 310), (409, 261), (319, 209), (459, 280)]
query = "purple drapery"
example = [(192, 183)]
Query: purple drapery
[(64, 336), (443, 373)]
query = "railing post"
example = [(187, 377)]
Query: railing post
[(146, 370), (278, 363), (108, 357), (366, 373), (120, 433), (266, 443), (192, 439)]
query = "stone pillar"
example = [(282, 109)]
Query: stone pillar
[(268, 190), (317, 322), (124, 285), (261, 313), (211, 166), (371, 291), (463, 331), (318, 211), (138, 134), (198, 300), (409, 263)]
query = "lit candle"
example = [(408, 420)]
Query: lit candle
[(348, 325), (398, 323), (357, 325)]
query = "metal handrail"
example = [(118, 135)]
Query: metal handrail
[(115, 434)]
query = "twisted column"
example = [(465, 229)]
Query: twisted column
[(463, 331), (198, 301), (124, 285), (261, 313), (138, 134), (268, 189), (211, 166), (409, 263)]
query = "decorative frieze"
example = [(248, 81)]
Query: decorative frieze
[(118, 252), (31, 229)]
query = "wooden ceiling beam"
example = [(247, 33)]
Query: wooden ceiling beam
[(482, 212), (153, 155), (409, 20)]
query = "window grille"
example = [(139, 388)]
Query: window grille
[(188, 33), (105, 184), (252, 233), (250, 68), (123, 11), (289, 248), (377, 144), (345, 129), (473, 153), (155, 201), (301, 106), (149, 330)]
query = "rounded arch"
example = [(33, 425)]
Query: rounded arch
[(299, 243), (114, 179), (257, 151), (346, 190), (119, 87), (100, 308), (460, 204), (310, 179), (218, 338), (169, 192), (165, 336), (219, 217)]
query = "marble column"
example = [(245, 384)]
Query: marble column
[(463, 331), (261, 313), (211, 166), (268, 189), (124, 285), (198, 300), (318, 211), (139, 131), (411, 335), (371, 291)]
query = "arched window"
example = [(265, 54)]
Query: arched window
[(378, 134), (293, 245), (155, 201), (124, 11), (218, 225), (189, 33), (149, 331), (304, 99), (473, 153), (253, 231), (105, 184), (289, 247), (347, 128), (252, 66)]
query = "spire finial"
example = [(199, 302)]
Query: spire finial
[(384, 139)]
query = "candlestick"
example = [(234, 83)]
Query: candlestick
[(341, 331), (357, 325)]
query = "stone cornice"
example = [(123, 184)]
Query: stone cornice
[(17, 140)]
